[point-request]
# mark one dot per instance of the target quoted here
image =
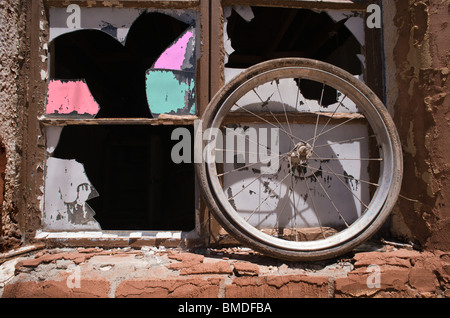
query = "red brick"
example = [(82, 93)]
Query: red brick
[(77, 258), (185, 260), (289, 286), (89, 250), (220, 267), (423, 280), (170, 288), (57, 289), (246, 269), (379, 258), (392, 279), (187, 257)]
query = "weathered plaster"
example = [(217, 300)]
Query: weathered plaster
[(416, 50), (390, 37), (11, 117)]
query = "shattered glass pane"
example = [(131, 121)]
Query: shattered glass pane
[(118, 63), (170, 83), (102, 65), (67, 188), (70, 98)]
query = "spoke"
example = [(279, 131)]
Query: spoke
[(318, 116), (345, 141), (313, 203), (268, 122), (257, 178), (284, 206), (266, 104), (279, 215), (247, 152), (341, 175), (332, 115), (315, 130), (339, 159), (294, 206), (267, 197), (329, 198), (298, 95), (304, 98), (250, 165), (337, 126), (284, 109), (250, 140), (345, 185)]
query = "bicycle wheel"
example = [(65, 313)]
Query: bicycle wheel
[(301, 160)]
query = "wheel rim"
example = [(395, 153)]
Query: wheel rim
[(306, 151)]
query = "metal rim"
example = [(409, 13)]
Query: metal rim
[(376, 122)]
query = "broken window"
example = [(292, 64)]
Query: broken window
[(254, 34), (258, 34), (117, 177), (121, 79), (144, 70), (113, 74)]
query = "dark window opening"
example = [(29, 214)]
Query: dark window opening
[(139, 186), (282, 32), (115, 73)]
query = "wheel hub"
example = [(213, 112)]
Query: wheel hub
[(300, 154)]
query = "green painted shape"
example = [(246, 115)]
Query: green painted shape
[(170, 92)]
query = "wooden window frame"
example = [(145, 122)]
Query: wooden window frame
[(373, 53), (210, 78), (39, 12)]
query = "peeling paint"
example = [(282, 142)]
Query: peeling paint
[(170, 83), (70, 97), (170, 91), (44, 75), (67, 188), (178, 56)]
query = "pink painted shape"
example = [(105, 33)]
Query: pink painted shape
[(69, 97), (173, 57)]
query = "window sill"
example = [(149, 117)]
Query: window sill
[(170, 239), (161, 120)]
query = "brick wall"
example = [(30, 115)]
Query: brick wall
[(170, 273)]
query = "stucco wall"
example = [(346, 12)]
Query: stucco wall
[(11, 119), (417, 56)]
